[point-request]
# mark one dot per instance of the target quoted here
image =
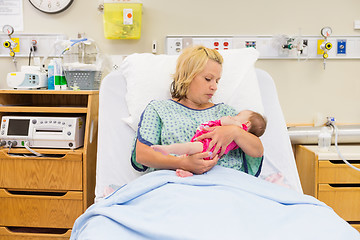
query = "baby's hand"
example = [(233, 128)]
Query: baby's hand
[(204, 128)]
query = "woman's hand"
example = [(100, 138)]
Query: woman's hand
[(193, 163), (197, 164), (222, 136)]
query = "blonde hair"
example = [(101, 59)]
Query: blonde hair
[(191, 62), (258, 124)]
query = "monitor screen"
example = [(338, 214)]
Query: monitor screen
[(18, 127)]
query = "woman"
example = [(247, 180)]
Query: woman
[(198, 72)]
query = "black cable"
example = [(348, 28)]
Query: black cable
[(31, 49)]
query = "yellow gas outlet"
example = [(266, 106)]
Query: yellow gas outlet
[(17, 42), (7, 44), (328, 45), (319, 50)]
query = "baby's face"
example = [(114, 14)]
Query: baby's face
[(243, 116)]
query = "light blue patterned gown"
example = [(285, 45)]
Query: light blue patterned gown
[(166, 122)]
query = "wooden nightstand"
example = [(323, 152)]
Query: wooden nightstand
[(325, 176), (41, 197)]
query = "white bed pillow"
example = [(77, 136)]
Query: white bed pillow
[(148, 77)]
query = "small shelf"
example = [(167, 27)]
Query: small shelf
[(51, 92), (69, 101), (24, 109)]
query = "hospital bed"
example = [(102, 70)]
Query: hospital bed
[(220, 204)]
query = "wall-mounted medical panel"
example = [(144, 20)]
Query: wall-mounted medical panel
[(45, 45), (275, 47)]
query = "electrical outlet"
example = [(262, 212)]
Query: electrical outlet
[(226, 44), (250, 44), (174, 46), (221, 43), (305, 44), (215, 44)]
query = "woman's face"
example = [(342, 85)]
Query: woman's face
[(204, 85)]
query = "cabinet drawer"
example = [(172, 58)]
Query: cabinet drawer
[(36, 209), (356, 226), (8, 234), (41, 173), (337, 172), (344, 200)]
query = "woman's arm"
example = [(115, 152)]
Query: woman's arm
[(195, 163), (222, 136)]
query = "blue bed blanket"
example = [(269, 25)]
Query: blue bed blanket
[(221, 204)]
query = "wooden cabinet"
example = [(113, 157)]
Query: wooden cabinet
[(325, 176), (41, 197)]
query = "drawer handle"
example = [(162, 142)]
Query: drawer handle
[(341, 161), (33, 155), (354, 222), (344, 185), (35, 193), (59, 231), (91, 136), (70, 195)]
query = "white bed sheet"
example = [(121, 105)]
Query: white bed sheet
[(115, 137)]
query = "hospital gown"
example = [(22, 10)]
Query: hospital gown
[(166, 122)]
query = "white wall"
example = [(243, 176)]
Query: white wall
[(305, 89)]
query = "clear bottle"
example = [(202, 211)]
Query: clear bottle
[(324, 139), (51, 78), (59, 78)]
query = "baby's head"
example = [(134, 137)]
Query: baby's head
[(255, 122)]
